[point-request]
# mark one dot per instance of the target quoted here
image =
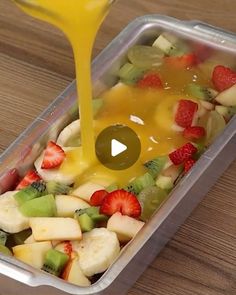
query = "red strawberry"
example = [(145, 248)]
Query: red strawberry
[(30, 177), (121, 201), (182, 62), (223, 78), (194, 132), (68, 248), (98, 197), (53, 156), (185, 113), (182, 154), (188, 165), (151, 80)]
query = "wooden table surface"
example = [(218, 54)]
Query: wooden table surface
[(36, 64)]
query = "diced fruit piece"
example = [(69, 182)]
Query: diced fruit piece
[(130, 74), (174, 172), (67, 205), (151, 199), (30, 240), (156, 165), (145, 57), (207, 105), (97, 105), (55, 174), (165, 44), (194, 132), (98, 197), (86, 222), (183, 153), (201, 92), (65, 247), (47, 229), (165, 182), (4, 250), (188, 165), (11, 219), (92, 212), (215, 125), (124, 226), (140, 183), (56, 188), (3, 237), (40, 207), (33, 254), (35, 190), (30, 177), (74, 275), (19, 238), (86, 190), (55, 262), (69, 136), (226, 112), (150, 80), (112, 187), (227, 97), (223, 78), (181, 62), (185, 112), (97, 251), (121, 201), (54, 155)]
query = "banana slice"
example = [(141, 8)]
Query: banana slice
[(97, 251), (54, 174), (11, 219), (69, 132)]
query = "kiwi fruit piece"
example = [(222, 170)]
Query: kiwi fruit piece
[(201, 92), (3, 237), (156, 165), (56, 188), (130, 74), (86, 222), (40, 207), (55, 262), (35, 190), (141, 182)]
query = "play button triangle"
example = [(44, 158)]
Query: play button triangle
[(117, 147)]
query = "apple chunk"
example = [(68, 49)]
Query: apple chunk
[(67, 205), (227, 97), (74, 275), (33, 254), (124, 226), (55, 228)]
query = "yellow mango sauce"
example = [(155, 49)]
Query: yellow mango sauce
[(148, 112)]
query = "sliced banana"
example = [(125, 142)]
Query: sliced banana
[(54, 174), (11, 219), (97, 251), (70, 131)]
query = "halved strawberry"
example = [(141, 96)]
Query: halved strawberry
[(194, 132), (98, 197), (30, 177), (223, 78), (185, 112), (182, 154), (53, 156), (182, 62), (121, 201), (188, 165), (150, 80)]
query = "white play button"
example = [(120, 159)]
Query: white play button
[(117, 147)]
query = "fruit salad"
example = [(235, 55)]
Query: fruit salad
[(72, 222)]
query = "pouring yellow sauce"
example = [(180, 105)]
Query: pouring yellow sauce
[(148, 112)]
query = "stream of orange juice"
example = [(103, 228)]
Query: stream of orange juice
[(80, 21)]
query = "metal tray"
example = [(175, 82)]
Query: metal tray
[(20, 278)]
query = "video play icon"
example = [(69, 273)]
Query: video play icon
[(118, 147)]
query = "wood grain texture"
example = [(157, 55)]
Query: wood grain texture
[(36, 64)]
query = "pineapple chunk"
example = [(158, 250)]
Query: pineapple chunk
[(67, 205), (51, 228), (86, 190), (33, 254)]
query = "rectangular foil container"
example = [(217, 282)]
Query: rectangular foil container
[(19, 278)]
